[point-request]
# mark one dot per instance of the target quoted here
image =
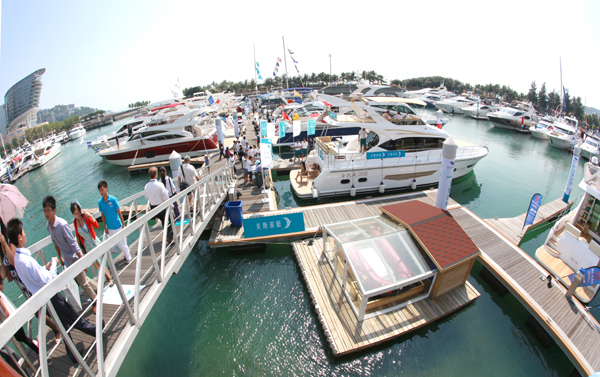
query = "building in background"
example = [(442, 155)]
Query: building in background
[(21, 104)]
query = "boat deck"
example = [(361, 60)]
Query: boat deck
[(512, 227), (342, 330)]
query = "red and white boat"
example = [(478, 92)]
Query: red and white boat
[(156, 141)]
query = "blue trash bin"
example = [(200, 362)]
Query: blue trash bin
[(233, 212)]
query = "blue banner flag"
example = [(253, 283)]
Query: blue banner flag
[(387, 154), (282, 128), (591, 276), (263, 128), (312, 125), (332, 115), (210, 100), (270, 225), (534, 206), (298, 100)]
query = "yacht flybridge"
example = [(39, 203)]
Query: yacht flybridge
[(518, 117), (574, 241), (399, 155)]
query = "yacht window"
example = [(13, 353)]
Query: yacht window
[(412, 144), (345, 181), (372, 140), (363, 179), (518, 114), (365, 90)]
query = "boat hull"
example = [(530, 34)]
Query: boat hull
[(77, 135), (43, 159), (509, 124), (587, 153), (540, 134), (156, 153), (561, 143)]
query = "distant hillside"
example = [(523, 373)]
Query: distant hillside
[(61, 112), (592, 110)]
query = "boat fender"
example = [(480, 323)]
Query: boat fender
[(353, 191), (315, 193), (413, 185)]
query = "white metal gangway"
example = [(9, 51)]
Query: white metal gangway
[(154, 261)]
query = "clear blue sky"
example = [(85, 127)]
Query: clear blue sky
[(107, 54)]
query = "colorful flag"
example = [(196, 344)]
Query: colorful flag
[(278, 60), (296, 94), (284, 115), (210, 100), (297, 69), (294, 60), (257, 64), (218, 101), (290, 51)]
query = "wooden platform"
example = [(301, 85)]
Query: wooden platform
[(512, 228), (224, 234), (567, 321), (343, 332)]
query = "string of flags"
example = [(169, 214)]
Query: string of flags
[(276, 67), (294, 60), (258, 72)]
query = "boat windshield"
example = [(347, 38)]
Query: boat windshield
[(592, 142), (510, 112)]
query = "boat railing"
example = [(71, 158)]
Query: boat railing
[(206, 194)]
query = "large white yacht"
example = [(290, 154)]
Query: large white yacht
[(543, 127), (564, 133), (517, 117), (44, 152), (77, 132), (479, 110), (156, 141), (399, 155), (574, 241), (590, 147), (456, 104)]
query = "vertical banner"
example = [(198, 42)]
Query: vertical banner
[(236, 128), (447, 170), (534, 206), (219, 125), (270, 131), (296, 128), (282, 129), (266, 153), (263, 128), (574, 163), (591, 276), (312, 126)]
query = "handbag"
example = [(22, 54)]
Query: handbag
[(183, 185)]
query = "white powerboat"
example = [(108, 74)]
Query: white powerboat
[(44, 152), (574, 241), (479, 110), (542, 128), (398, 156), (518, 117), (77, 132), (590, 147), (155, 142), (564, 133), (456, 104)]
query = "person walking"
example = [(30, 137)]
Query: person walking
[(207, 162), (66, 247), (112, 218), (156, 194), (170, 186), (36, 277), (84, 225), (221, 150), (189, 175)]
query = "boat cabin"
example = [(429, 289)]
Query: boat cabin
[(412, 251)]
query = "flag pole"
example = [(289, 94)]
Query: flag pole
[(287, 84), (255, 77)]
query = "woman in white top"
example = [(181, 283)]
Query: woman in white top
[(304, 148), (297, 150)]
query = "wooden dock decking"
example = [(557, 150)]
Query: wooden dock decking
[(566, 320), (342, 330), (512, 227)]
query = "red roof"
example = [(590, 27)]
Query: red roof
[(166, 106), (438, 231)]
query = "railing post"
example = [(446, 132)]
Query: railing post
[(43, 355), (115, 275), (99, 311), (138, 273), (152, 253)]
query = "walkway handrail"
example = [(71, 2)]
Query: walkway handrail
[(208, 192)]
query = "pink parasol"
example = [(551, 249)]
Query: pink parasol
[(12, 202)]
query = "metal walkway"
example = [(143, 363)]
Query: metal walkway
[(155, 260)]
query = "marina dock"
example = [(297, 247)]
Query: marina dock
[(512, 227)]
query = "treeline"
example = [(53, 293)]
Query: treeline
[(543, 101), (92, 115), (137, 104), (34, 133)]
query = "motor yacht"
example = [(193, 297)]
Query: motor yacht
[(398, 156), (517, 117), (590, 147), (542, 128), (479, 110), (564, 133), (77, 132), (155, 142), (456, 104), (574, 241), (44, 152)]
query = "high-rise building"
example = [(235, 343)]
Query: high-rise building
[(21, 104)]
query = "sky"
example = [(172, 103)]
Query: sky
[(107, 54)]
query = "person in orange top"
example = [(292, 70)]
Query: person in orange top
[(84, 224)]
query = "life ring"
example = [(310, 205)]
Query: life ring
[(47, 152)]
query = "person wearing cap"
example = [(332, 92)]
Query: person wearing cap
[(207, 162)]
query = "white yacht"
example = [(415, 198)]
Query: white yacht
[(44, 152), (542, 128), (574, 241), (77, 132), (398, 156), (479, 110), (517, 117), (564, 133), (590, 147), (456, 104)]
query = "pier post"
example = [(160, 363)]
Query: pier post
[(575, 284), (448, 155)]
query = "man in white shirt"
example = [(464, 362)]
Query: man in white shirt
[(297, 150), (387, 115), (362, 134), (35, 277), (397, 116), (304, 148), (244, 142), (156, 193)]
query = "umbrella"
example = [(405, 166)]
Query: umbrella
[(12, 202)]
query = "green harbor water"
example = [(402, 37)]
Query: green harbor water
[(250, 315)]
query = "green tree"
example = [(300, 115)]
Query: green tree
[(532, 95), (553, 101), (543, 98)]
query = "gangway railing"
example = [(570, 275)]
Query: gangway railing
[(206, 196)]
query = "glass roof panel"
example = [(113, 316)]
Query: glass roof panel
[(346, 232)]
